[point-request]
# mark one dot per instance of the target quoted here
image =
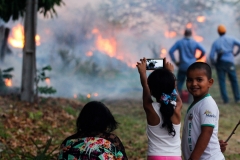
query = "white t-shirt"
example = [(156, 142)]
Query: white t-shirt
[(203, 113), (160, 143)]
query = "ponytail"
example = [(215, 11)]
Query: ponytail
[(167, 111)]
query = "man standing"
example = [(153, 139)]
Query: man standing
[(186, 48), (222, 57)]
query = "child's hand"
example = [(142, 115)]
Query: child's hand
[(223, 145), (168, 65), (142, 65)]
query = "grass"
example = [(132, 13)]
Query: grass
[(55, 118)]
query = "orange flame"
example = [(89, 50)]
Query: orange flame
[(189, 25), (198, 54), (88, 95), (95, 94), (8, 82), (17, 37), (170, 34), (47, 80), (89, 53), (201, 19), (105, 45), (163, 53), (198, 38), (75, 96)]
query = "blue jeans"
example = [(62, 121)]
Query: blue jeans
[(181, 77), (228, 68)]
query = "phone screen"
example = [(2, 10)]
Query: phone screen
[(153, 64)]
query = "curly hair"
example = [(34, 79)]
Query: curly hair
[(163, 81)]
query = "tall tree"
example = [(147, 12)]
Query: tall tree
[(28, 9)]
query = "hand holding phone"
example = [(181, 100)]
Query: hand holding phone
[(153, 64)]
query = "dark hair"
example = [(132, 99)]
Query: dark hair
[(163, 81), (95, 118), (203, 66), (188, 32)]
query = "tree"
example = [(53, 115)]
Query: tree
[(137, 14), (28, 9)]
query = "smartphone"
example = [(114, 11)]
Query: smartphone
[(155, 63)]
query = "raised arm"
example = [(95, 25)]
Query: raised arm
[(147, 99)]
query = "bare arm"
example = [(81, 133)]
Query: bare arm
[(202, 143), (152, 117)]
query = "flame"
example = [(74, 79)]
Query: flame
[(89, 53), (198, 54), (107, 46), (189, 25), (8, 82), (75, 96), (88, 95), (201, 19), (170, 34), (47, 80), (16, 39), (198, 38), (163, 53)]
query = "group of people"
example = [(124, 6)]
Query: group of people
[(221, 56), (94, 139)]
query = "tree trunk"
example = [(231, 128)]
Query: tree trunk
[(29, 52)]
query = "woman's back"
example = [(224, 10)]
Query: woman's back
[(102, 147)]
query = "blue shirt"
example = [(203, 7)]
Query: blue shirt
[(226, 44), (187, 48)]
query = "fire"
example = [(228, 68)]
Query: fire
[(170, 34), (89, 53), (201, 19), (16, 39), (198, 38), (8, 82), (163, 53), (197, 54), (75, 96), (189, 25), (88, 95), (47, 80), (107, 46)]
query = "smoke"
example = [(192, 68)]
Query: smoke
[(80, 67)]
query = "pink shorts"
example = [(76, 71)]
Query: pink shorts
[(164, 158)]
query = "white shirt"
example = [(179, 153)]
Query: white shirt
[(160, 143), (203, 113)]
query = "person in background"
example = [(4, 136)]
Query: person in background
[(200, 129), (164, 115), (222, 57), (93, 139), (187, 48)]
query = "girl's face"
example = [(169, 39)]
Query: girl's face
[(198, 83)]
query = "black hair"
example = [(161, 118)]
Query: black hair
[(221, 34), (163, 81), (188, 32), (203, 66), (95, 118)]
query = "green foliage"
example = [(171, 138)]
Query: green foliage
[(15, 8), (70, 110), (35, 115), (41, 76)]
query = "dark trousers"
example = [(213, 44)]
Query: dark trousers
[(181, 77), (228, 68)]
